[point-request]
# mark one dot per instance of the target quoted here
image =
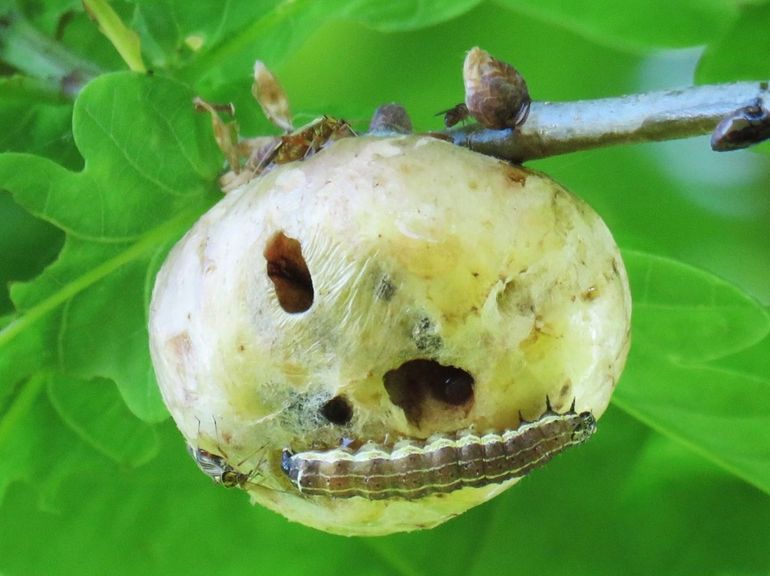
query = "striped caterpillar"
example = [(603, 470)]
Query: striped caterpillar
[(438, 465)]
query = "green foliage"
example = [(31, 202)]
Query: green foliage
[(148, 173), (401, 15), (746, 36), (94, 478), (636, 24), (689, 316), (684, 318)]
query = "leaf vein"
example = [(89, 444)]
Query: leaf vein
[(130, 162)]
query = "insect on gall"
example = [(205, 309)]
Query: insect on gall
[(439, 465)]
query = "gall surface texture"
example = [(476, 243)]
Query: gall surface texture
[(387, 288)]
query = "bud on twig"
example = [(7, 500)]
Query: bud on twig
[(744, 127), (271, 97), (554, 128), (496, 94)]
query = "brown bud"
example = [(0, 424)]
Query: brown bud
[(495, 93), (225, 133), (391, 118), (271, 97), (744, 127)]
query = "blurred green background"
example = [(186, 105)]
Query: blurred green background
[(642, 497)]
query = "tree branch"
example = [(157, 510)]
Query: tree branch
[(554, 128)]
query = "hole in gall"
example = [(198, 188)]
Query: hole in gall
[(288, 271), (415, 383), (337, 411)]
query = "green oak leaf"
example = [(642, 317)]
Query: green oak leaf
[(636, 24), (742, 52), (720, 414), (229, 50), (219, 41), (688, 315), (26, 247), (683, 318), (38, 448), (190, 526), (38, 122), (97, 412), (47, 17), (177, 508), (401, 15), (150, 170), (586, 515), (175, 32), (57, 45)]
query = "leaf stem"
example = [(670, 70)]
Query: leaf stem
[(21, 404), (67, 291), (554, 128), (125, 40)]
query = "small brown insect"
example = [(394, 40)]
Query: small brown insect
[(300, 144), (295, 144), (217, 468), (263, 153), (309, 139), (454, 114), (442, 464)]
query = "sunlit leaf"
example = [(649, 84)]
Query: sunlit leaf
[(226, 40), (400, 15), (683, 318), (720, 414), (742, 52), (636, 24), (37, 448), (688, 315), (150, 171), (99, 414)]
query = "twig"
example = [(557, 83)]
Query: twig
[(554, 128)]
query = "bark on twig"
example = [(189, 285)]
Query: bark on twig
[(554, 128)]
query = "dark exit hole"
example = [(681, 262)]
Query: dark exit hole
[(413, 383), (338, 411), (289, 273)]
